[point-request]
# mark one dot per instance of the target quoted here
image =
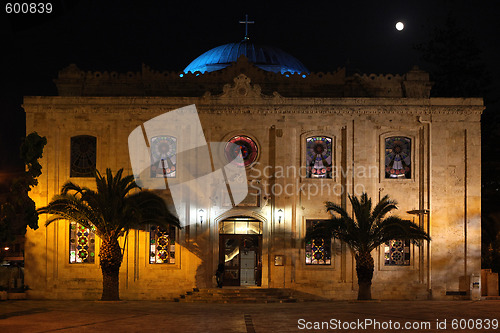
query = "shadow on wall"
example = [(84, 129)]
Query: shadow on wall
[(197, 242), (12, 278), (35, 266), (449, 253)]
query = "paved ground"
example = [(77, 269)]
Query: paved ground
[(150, 316)]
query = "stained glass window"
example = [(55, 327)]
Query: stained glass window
[(319, 157), (161, 245), (249, 149), (83, 156), (163, 156), (81, 244), (398, 157), (318, 251), (397, 253)]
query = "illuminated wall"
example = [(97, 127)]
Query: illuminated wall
[(437, 174)]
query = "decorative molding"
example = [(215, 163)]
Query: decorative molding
[(242, 98), (239, 109), (241, 88)]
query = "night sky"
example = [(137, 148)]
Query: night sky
[(167, 35)]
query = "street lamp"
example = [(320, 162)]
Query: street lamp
[(201, 214), (280, 215)]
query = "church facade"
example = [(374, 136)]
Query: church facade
[(306, 138)]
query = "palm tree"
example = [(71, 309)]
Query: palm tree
[(113, 209), (364, 232)]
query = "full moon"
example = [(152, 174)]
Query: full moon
[(400, 26)]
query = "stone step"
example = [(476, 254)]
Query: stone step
[(237, 295), (238, 300), (490, 298)]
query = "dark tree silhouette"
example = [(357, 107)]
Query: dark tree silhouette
[(455, 62), (17, 210)]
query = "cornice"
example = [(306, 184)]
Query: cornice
[(238, 108)]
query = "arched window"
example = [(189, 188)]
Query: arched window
[(398, 157), (83, 156), (161, 245), (318, 250), (163, 156), (81, 244), (319, 157)]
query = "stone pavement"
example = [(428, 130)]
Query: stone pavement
[(155, 316)]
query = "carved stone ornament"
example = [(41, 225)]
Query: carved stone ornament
[(241, 88)]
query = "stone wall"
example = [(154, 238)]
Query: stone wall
[(446, 160)]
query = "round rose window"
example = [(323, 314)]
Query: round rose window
[(248, 148)]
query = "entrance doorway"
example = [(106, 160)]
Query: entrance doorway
[(240, 249)]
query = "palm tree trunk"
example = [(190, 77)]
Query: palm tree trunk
[(364, 270), (110, 259)]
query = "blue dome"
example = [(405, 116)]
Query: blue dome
[(268, 58)]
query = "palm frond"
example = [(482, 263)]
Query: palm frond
[(368, 228), (394, 227), (323, 229), (112, 209), (384, 206), (362, 210), (70, 186), (71, 208), (334, 208), (335, 227)]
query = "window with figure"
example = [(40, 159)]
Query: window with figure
[(319, 157), (397, 253), (161, 245), (398, 157), (318, 250), (83, 156), (81, 244), (163, 156)]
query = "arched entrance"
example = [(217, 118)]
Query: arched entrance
[(240, 249)]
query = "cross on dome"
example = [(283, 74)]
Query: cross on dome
[(246, 22)]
